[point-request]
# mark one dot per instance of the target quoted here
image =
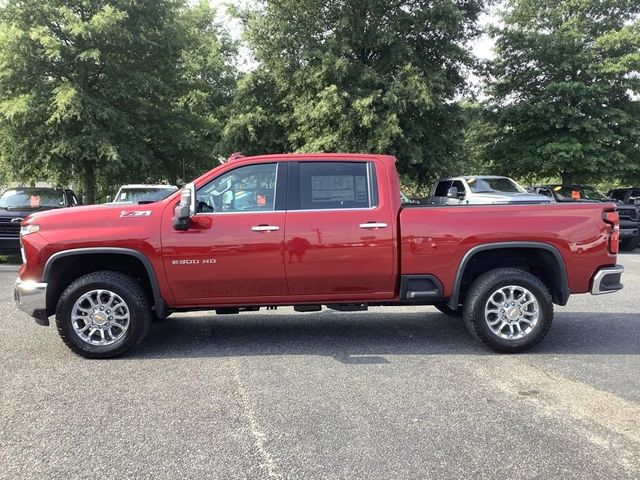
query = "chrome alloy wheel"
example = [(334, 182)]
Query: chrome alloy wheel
[(512, 312), (100, 317)]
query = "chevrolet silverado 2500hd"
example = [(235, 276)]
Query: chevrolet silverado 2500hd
[(309, 230)]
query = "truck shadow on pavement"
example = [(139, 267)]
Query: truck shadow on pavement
[(371, 338)]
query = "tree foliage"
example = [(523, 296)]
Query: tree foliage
[(564, 89), (369, 76), (113, 91)]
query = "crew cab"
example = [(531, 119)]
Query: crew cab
[(310, 230)]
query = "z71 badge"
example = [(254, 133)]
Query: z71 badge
[(135, 213)]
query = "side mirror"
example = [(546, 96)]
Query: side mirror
[(454, 193), (636, 202), (531, 190), (109, 199), (186, 208)]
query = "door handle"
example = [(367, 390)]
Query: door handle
[(265, 228), (373, 225)]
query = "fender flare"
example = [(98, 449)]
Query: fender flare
[(159, 304), (454, 300)]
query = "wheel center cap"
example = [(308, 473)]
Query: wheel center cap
[(100, 318), (513, 313)]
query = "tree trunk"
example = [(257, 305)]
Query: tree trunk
[(567, 178), (88, 185)]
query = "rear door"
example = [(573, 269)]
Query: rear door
[(339, 236)]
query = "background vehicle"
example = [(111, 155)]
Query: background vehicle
[(309, 230), (17, 203), (143, 193), (630, 196), (629, 214), (481, 190)]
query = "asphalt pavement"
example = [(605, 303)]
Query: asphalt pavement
[(401, 393)]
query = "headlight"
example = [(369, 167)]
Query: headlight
[(27, 229)]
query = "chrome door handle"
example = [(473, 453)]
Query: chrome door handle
[(265, 228), (373, 225)]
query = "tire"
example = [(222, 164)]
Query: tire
[(630, 244), (512, 289), (116, 310), (447, 310)]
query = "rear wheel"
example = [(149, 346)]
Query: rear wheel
[(103, 314), (509, 310), (629, 244), (447, 310)]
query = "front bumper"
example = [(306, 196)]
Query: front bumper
[(607, 280), (31, 298), (9, 245), (628, 232)]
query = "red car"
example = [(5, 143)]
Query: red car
[(309, 230)]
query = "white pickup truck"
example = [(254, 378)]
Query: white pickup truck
[(481, 190)]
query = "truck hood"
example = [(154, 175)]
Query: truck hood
[(96, 221), (504, 197)]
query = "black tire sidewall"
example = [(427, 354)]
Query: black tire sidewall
[(629, 244), (128, 290), (485, 287)]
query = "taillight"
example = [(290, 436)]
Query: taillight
[(612, 218)]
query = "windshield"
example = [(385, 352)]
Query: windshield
[(31, 198), (137, 195), (577, 192), (499, 184)]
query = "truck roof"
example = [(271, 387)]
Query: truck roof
[(297, 157), (142, 185), (469, 177)]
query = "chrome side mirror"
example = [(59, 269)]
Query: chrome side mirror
[(186, 208)]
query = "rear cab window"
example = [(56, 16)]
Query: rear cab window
[(333, 185), (442, 188)]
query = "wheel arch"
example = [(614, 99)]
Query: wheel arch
[(551, 264), (108, 258)]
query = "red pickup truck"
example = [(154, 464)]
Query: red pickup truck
[(309, 230)]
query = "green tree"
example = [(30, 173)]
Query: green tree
[(372, 76), (107, 91), (564, 89)]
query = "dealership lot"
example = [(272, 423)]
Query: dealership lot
[(389, 393)]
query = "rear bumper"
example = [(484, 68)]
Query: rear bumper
[(31, 298), (607, 280)]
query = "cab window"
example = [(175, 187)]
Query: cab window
[(442, 188), (245, 189), (333, 185)]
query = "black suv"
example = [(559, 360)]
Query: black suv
[(17, 203), (629, 214)]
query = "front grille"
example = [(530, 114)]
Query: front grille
[(9, 228), (628, 213)]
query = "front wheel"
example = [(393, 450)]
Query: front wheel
[(103, 314), (509, 310)]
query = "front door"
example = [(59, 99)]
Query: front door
[(233, 251)]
